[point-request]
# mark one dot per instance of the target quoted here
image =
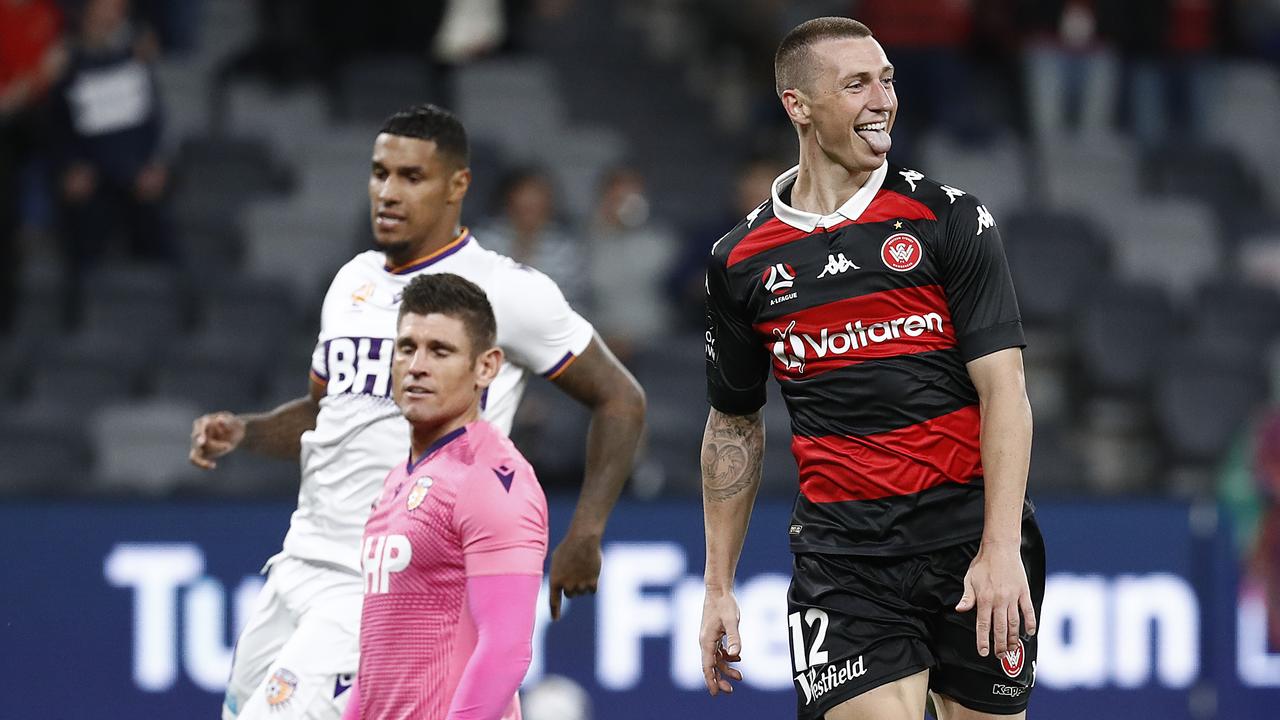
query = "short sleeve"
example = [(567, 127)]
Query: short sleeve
[(537, 328), (501, 519), (320, 355), (979, 289), (737, 366)]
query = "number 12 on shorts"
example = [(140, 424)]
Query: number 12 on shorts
[(816, 656)]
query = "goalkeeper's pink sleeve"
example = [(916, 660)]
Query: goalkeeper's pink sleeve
[(503, 608)]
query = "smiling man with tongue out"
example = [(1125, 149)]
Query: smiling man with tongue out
[(881, 303)]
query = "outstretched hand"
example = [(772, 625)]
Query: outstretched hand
[(996, 585)]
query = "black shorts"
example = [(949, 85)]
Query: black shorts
[(866, 621)]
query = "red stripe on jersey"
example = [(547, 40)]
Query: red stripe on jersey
[(891, 205), (868, 327), (771, 234), (898, 462), (886, 205)]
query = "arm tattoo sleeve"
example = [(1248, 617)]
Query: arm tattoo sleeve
[(732, 453)]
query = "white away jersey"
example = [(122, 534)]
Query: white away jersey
[(359, 432)]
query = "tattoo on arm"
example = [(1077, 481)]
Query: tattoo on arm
[(732, 453)]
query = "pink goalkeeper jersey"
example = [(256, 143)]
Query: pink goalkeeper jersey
[(470, 506)]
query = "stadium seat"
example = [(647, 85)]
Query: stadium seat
[(258, 312), (1174, 243), (1122, 333), (140, 302), (88, 370), (41, 454), (1057, 467), (210, 375), (239, 475), (1096, 175), (1235, 322), (1189, 169), (1201, 404), (1054, 258), (371, 88), (141, 446)]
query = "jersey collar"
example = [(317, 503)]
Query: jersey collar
[(445, 439), (426, 260), (850, 210)]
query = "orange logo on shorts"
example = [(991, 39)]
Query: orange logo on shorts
[(280, 687), (1011, 661)]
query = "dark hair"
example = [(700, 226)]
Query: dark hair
[(432, 122), (793, 62), (456, 296)]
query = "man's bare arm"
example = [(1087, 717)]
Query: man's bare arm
[(276, 433), (732, 460), (996, 584), (597, 380)]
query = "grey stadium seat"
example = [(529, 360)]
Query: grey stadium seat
[(1122, 333)]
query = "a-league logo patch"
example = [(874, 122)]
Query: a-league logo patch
[(901, 252), (419, 493), (1011, 662), (280, 687)]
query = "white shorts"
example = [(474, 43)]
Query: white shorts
[(300, 649)]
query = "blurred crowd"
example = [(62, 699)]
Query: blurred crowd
[(666, 133)]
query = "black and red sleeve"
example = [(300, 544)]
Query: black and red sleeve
[(977, 283), (737, 365)]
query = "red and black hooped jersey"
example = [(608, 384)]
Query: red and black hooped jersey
[(866, 318)]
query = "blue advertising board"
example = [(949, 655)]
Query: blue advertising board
[(130, 610)]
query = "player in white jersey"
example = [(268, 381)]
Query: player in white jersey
[(297, 653)]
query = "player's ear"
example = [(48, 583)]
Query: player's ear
[(459, 181), (487, 365), (796, 105)]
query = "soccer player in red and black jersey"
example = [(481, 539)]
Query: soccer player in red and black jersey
[(881, 303)]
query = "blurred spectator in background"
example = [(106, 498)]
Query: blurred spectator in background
[(689, 270), (630, 258), (107, 142), (927, 40), (32, 57), (1168, 48), (1070, 67), (526, 230)]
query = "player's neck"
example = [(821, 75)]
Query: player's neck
[(822, 186), (429, 246), (423, 437)]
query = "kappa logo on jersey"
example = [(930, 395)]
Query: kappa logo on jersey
[(779, 278), (901, 252), (505, 476), (280, 687), (952, 193), (912, 177), (836, 264), (1011, 662), (984, 219), (793, 350), (361, 366), (418, 493)]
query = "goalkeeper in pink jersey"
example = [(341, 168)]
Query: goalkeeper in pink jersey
[(453, 550)]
